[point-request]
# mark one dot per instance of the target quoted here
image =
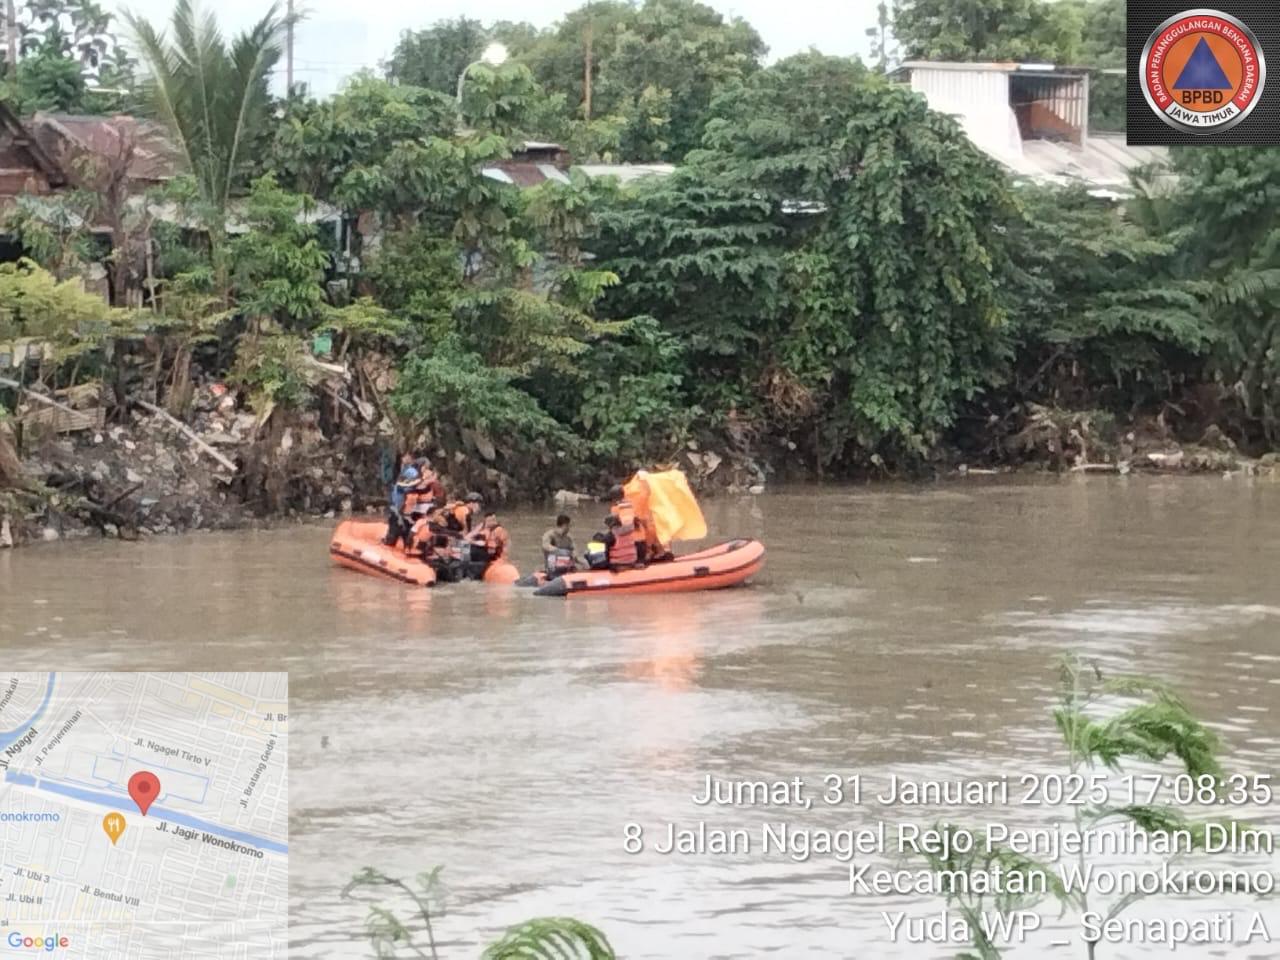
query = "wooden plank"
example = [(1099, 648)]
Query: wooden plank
[(63, 420)]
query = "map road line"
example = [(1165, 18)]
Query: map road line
[(182, 819)]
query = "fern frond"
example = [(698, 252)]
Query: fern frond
[(551, 938)]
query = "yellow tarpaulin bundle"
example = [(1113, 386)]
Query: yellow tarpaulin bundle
[(667, 500)]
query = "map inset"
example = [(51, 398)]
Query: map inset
[(84, 873)]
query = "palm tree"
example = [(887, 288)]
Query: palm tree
[(212, 96)]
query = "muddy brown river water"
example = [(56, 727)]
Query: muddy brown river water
[(908, 630)]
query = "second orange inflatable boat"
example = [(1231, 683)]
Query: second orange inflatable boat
[(724, 565), (357, 545)]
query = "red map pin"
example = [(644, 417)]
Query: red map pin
[(144, 787)]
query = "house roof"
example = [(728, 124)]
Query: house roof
[(1104, 161), (22, 138), (1002, 66), (525, 173), (155, 157), (626, 172)]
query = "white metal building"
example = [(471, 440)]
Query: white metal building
[(1032, 117)]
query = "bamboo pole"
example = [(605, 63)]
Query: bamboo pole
[(288, 70), (186, 431), (49, 401)]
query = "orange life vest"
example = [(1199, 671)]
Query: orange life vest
[(465, 515), (458, 515), (623, 551), (418, 536), (495, 541), (426, 491), (626, 514)]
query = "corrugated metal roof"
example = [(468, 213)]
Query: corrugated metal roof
[(551, 172), (1105, 160), (1003, 66), (626, 172)]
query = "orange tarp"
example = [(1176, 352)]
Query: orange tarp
[(666, 500)]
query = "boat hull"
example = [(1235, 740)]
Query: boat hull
[(724, 565), (357, 545)]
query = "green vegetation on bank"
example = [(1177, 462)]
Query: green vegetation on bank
[(833, 280)]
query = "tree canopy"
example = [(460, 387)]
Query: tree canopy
[(989, 30), (70, 60), (833, 270)]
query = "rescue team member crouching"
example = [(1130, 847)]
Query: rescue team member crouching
[(469, 510), (441, 532), (557, 548), (492, 536), (621, 545)]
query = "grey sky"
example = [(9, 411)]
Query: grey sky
[(341, 36)]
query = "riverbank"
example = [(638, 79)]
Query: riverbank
[(228, 469)]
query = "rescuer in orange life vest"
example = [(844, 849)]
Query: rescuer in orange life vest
[(428, 489), (406, 493), (622, 544), (458, 516), (648, 547), (493, 536), (628, 523), (421, 500)]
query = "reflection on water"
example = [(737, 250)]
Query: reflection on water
[(907, 630)]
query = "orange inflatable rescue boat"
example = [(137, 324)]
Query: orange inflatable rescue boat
[(724, 565), (670, 513), (357, 545)]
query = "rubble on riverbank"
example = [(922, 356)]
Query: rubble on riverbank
[(146, 473)]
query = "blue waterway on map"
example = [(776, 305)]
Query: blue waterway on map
[(8, 736), (173, 816)]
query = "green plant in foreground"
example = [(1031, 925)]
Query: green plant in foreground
[(551, 938), (1106, 722), (543, 938)]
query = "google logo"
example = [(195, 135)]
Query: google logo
[(39, 943)]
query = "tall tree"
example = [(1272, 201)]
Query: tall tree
[(833, 265), (654, 69), (1225, 213), (1104, 49), (211, 94), (69, 60), (332, 149), (976, 30), (434, 58)]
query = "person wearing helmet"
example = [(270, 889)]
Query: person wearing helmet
[(489, 543), (398, 524), (472, 505)]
